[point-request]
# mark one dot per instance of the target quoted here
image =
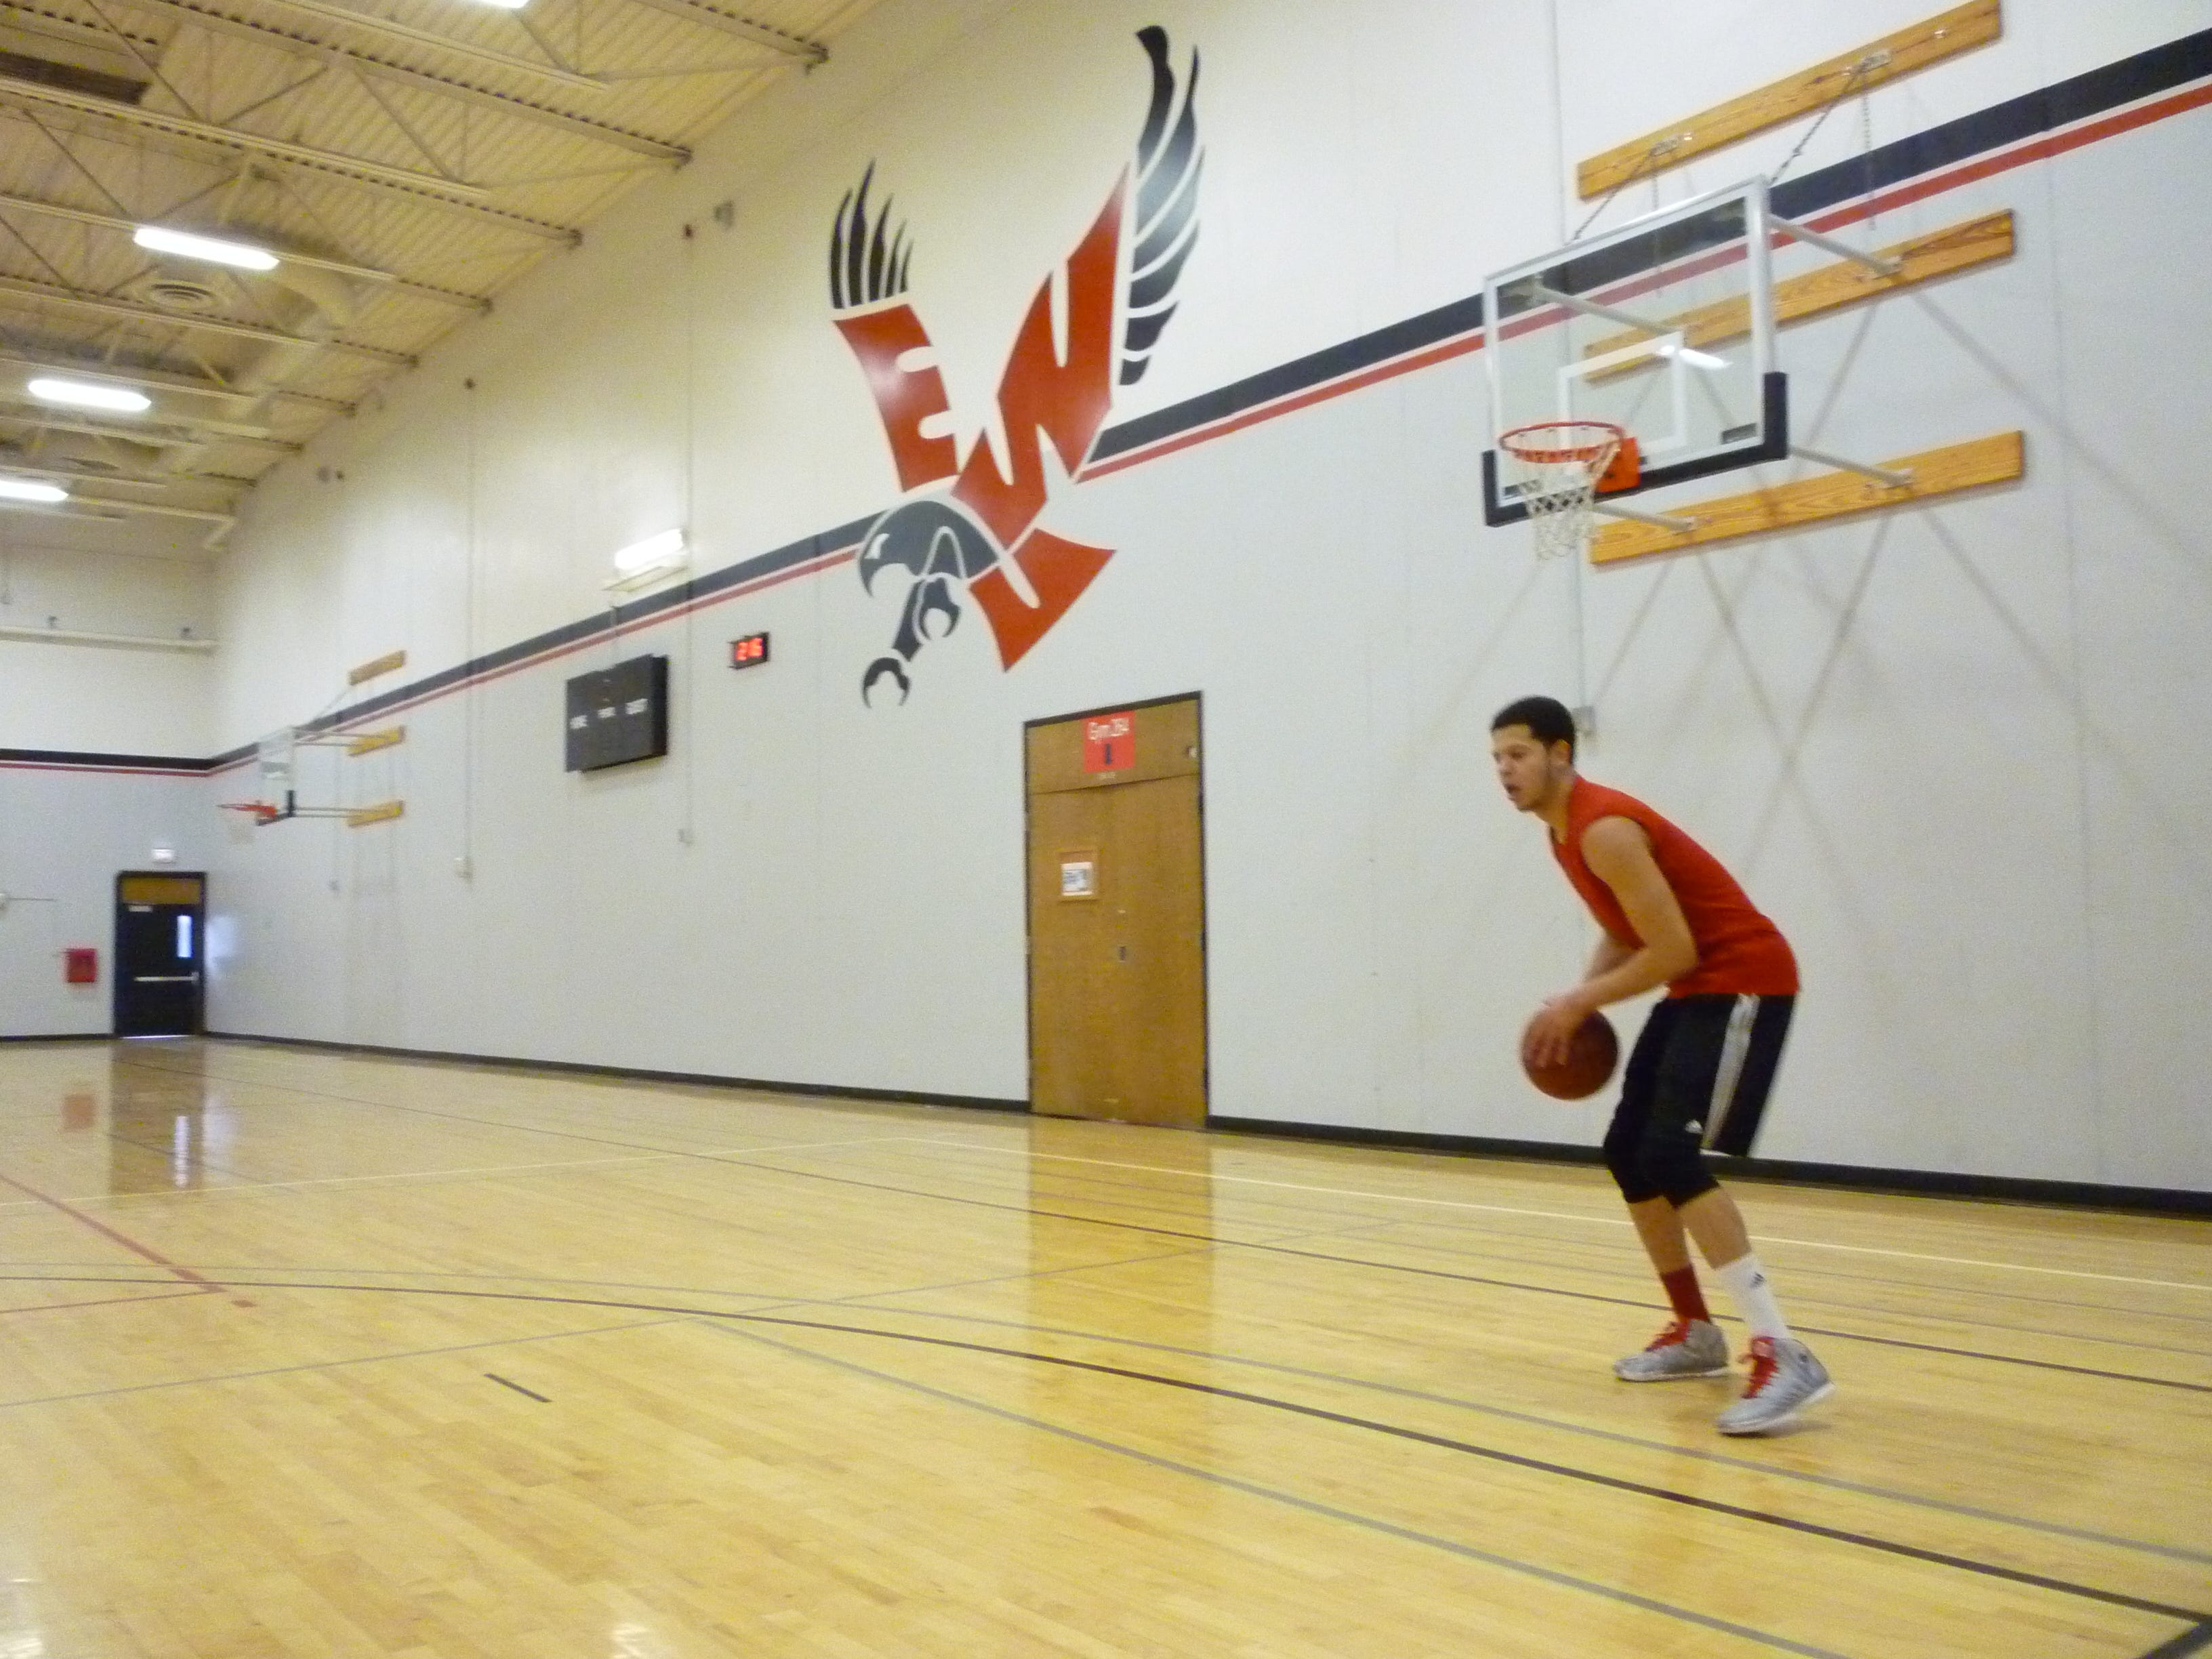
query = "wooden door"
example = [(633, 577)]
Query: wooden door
[(1117, 917)]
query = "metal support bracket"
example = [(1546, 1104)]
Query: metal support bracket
[(1881, 265), (1664, 521), (1888, 475), (1592, 308)]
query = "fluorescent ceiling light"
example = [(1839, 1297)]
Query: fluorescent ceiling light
[(80, 394), (29, 489), (506, 5), (655, 555), (213, 249)]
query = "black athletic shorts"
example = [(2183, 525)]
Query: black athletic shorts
[(1698, 1076)]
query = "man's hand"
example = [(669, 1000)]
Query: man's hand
[(1551, 1034)]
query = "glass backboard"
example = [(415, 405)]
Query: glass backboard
[(1664, 327)]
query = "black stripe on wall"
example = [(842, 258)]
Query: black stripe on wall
[(103, 761), (2161, 69)]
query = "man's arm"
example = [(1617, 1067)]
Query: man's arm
[(1619, 854), (1609, 955)]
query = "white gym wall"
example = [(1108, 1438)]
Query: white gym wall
[(1950, 750)]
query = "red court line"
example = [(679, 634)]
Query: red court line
[(143, 1252)]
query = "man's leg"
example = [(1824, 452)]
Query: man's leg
[(1659, 1225), (1714, 1221), (1693, 1345), (1711, 1089)]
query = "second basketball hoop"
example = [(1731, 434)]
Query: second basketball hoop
[(1555, 469)]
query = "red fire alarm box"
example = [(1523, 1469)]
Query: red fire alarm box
[(81, 965)]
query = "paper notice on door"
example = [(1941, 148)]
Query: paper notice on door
[(1078, 875)]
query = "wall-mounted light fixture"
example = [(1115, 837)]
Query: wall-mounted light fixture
[(82, 394), (642, 563), (213, 249)]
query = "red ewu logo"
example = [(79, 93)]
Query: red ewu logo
[(979, 536)]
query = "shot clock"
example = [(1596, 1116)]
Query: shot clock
[(749, 652)]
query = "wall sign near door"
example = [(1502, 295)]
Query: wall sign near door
[(1109, 743), (749, 652)]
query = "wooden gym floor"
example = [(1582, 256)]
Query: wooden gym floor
[(308, 1354)]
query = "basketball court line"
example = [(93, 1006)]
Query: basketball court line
[(861, 1300), (1374, 1524), (322, 1365), (1476, 1278), (1632, 1265), (1552, 1262), (1341, 1192), (1515, 1459), (1318, 1256), (102, 1302), (422, 1176), (1814, 1270), (145, 1252), (1564, 1215), (1369, 1523), (1782, 1472), (2189, 1642), (1553, 1243)]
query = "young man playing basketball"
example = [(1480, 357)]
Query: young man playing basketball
[(1699, 1074)]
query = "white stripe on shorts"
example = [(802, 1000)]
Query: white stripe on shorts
[(1735, 1047)]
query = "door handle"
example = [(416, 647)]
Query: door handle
[(165, 979)]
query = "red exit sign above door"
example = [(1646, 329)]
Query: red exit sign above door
[(1109, 743)]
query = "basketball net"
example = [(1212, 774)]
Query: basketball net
[(1553, 469)]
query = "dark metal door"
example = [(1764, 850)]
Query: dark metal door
[(159, 951)]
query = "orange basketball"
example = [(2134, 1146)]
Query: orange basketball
[(1592, 1054)]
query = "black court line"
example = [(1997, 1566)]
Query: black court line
[(1668, 1448), (1371, 1524), (1516, 1460), (740, 1162), (504, 1383), (1478, 1278), (321, 1365), (2036, 1581), (1611, 1253), (1547, 1253), (2189, 1642), (772, 1301)]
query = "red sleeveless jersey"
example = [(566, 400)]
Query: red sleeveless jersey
[(1739, 951)]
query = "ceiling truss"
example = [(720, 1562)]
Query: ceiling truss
[(405, 159)]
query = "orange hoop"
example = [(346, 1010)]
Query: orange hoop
[(1557, 466)]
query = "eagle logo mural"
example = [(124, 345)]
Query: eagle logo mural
[(967, 530)]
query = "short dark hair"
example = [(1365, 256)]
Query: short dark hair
[(1546, 719)]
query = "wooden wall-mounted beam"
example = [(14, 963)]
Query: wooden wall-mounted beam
[(1930, 42), (1939, 253), (383, 812), (1995, 460), (383, 665), (370, 742)]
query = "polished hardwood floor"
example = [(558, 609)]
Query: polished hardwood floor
[(304, 1353)]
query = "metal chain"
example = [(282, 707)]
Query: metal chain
[(1864, 67), (1859, 72)]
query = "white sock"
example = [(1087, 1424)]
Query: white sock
[(1754, 1297)]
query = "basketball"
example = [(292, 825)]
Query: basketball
[(1589, 1065)]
